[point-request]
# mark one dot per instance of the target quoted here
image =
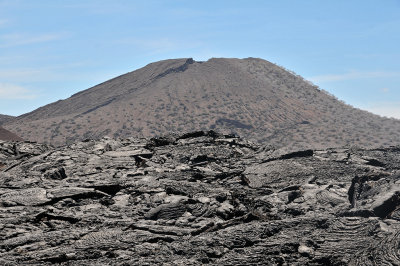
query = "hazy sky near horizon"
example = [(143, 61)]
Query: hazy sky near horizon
[(51, 49)]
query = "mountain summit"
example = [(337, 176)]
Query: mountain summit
[(250, 97)]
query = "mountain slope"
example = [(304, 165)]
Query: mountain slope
[(250, 97), (5, 118), (7, 135)]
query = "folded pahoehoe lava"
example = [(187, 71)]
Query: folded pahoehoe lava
[(197, 198)]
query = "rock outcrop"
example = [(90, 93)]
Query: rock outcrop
[(195, 199)]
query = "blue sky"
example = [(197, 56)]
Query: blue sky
[(50, 49)]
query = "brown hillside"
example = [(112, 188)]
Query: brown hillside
[(5, 118), (250, 97), (7, 135)]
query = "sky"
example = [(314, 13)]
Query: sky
[(51, 49)]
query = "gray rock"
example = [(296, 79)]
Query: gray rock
[(196, 199)]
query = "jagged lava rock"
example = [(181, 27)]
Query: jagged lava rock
[(195, 199)]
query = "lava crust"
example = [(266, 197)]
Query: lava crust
[(196, 199)]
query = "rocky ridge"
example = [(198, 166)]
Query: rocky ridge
[(197, 198)]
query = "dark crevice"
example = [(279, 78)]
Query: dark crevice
[(173, 190), (292, 155), (294, 211), (98, 106), (140, 162), (196, 176), (225, 175), (357, 186), (58, 173), (108, 189), (181, 68), (328, 261), (59, 259), (201, 160), (358, 213), (374, 162), (46, 216), (353, 191), (159, 142), (386, 208), (270, 231), (294, 195), (86, 195), (297, 154), (21, 156), (291, 188), (196, 134), (12, 166), (161, 238)]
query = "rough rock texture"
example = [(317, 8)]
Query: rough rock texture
[(195, 199), (250, 97)]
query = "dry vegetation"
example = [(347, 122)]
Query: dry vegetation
[(251, 97)]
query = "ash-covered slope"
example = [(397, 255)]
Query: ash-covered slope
[(250, 97), (196, 199), (5, 118), (7, 135)]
